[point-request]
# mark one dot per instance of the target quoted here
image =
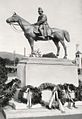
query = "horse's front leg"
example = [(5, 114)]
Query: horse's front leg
[(31, 42), (32, 51)]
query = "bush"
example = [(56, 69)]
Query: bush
[(3, 79), (3, 74)]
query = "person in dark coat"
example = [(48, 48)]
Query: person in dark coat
[(42, 23)]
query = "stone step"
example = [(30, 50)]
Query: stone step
[(43, 113)]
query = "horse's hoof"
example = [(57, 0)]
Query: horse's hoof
[(65, 57), (31, 55), (57, 56)]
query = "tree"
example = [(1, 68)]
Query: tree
[(3, 74), (3, 78), (16, 60), (2, 61)]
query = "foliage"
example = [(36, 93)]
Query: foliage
[(36, 94), (6, 90), (7, 61), (45, 86), (3, 79), (3, 74), (2, 61), (16, 61), (49, 55)]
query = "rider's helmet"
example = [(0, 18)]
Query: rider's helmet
[(40, 9)]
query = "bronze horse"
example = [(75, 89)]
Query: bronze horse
[(28, 29)]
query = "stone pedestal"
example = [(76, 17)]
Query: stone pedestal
[(35, 71)]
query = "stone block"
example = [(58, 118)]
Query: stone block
[(35, 71)]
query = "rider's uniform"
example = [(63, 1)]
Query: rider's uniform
[(43, 25)]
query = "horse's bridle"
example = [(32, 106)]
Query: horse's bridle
[(14, 28)]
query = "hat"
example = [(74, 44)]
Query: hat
[(40, 9)]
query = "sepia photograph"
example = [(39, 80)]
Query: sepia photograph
[(40, 59)]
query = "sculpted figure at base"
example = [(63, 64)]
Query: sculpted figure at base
[(29, 104), (41, 31)]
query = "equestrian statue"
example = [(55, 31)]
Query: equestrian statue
[(41, 31)]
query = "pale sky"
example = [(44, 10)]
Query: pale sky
[(62, 14)]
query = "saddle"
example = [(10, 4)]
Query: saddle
[(37, 31)]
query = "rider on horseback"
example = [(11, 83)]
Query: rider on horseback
[(43, 25)]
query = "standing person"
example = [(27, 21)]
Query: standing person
[(43, 25)]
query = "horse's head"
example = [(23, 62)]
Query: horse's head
[(13, 18)]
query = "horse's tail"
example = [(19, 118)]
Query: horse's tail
[(67, 36)]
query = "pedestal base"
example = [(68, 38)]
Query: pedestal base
[(35, 71), (42, 113)]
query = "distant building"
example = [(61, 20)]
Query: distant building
[(78, 59)]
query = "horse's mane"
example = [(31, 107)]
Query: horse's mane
[(23, 19)]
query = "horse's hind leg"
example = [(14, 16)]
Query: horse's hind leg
[(65, 49), (58, 47)]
